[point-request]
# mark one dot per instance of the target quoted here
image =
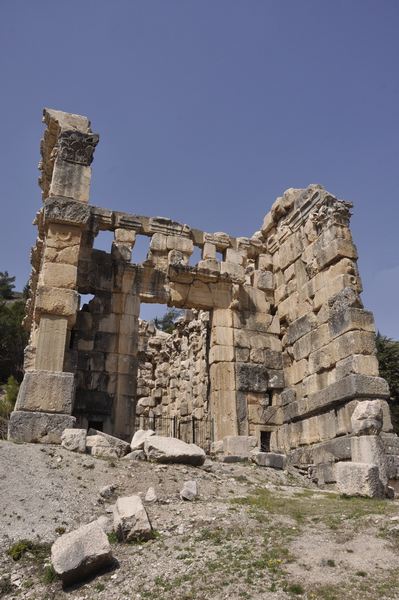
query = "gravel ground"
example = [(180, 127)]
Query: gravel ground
[(252, 532)]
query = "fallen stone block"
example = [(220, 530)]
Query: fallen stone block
[(139, 438), (269, 459), (359, 479), (171, 450), (40, 427), (74, 440), (131, 520), (322, 473), (189, 490), (81, 553), (239, 445), (119, 446)]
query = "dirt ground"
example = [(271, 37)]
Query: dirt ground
[(251, 533)]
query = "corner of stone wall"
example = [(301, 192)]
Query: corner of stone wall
[(328, 338)]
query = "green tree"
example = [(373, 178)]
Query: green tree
[(13, 339), (168, 321), (6, 285), (388, 358), (7, 402)]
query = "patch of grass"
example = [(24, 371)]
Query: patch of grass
[(112, 537), (5, 586), (35, 550), (296, 589), (303, 506), (60, 530), (361, 574), (330, 562), (49, 574), (99, 587)]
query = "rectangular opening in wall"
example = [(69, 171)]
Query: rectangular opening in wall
[(195, 257), (140, 249), (265, 441), (103, 241), (95, 425)]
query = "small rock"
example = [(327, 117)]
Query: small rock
[(135, 455), (107, 491), (189, 490), (150, 495)]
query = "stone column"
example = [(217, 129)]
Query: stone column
[(45, 401)]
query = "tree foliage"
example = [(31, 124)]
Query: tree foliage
[(168, 321), (13, 339), (388, 358), (7, 401), (6, 285)]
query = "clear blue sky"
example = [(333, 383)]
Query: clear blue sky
[(208, 110)]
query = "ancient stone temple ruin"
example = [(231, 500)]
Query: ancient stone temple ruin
[(275, 342)]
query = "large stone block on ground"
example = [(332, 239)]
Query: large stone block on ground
[(370, 449), (103, 441), (81, 553), (131, 520), (359, 479), (367, 418), (171, 450), (45, 391), (239, 445), (74, 440), (269, 459), (139, 438), (44, 428)]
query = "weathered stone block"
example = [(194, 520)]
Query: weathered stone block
[(58, 275), (63, 210), (45, 391), (300, 327), (57, 301), (350, 319), (131, 521), (370, 449), (40, 427), (239, 445), (51, 343), (74, 440), (269, 459), (120, 446), (251, 377), (81, 553), (171, 450), (359, 479), (367, 418)]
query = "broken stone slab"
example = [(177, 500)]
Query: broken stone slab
[(131, 520), (139, 438), (171, 450), (269, 459), (81, 553), (119, 446), (46, 391), (367, 418), (74, 440), (239, 445), (189, 490), (40, 427), (359, 479)]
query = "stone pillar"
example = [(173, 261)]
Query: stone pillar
[(223, 374), (45, 401)]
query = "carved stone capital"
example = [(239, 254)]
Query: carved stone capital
[(77, 147), (331, 212)]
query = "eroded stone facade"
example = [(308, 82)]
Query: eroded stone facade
[(279, 347)]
